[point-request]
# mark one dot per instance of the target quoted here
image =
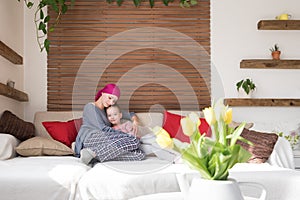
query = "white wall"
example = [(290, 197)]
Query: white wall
[(35, 68), (234, 37), (12, 34)]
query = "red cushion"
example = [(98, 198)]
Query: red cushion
[(64, 132), (173, 127)]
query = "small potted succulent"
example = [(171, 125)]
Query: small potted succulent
[(275, 52), (245, 87)]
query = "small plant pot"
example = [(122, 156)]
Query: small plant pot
[(276, 55), (243, 94)]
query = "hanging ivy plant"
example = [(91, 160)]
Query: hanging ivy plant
[(60, 7), (41, 19)]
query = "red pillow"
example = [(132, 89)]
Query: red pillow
[(173, 127), (64, 132)]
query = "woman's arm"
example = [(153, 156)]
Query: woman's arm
[(134, 118), (95, 118), (130, 116)]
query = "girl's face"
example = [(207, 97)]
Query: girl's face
[(114, 115), (108, 99)]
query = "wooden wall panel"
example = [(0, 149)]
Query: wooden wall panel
[(159, 57)]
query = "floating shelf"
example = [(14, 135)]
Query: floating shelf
[(13, 93), (273, 64), (10, 54), (261, 102), (278, 25)]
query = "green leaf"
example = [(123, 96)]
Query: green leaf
[(47, 19), (137, 2), (47, 45), (44, 30), (51, 29), (218, 166), (234, 156), (61, 2), (64, 8), (194, 2), (245, 87), (41, 4), (244, 140), (166, 2), (239, 84), (42, 26), (197, 164), (29, 4), (201, 149), (216, 130), (119, 2), (244, 155), (54, 6), (236, 133), (151, 3), (41, 14)]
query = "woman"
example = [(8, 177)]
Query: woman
[(97, 139)]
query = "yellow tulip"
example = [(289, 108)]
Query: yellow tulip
[(163, 138), (210, 115), (160, 131), (164, 141), (195, 118), (188, 126), (227, 115)]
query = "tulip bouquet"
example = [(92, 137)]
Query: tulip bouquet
[(212, 157)]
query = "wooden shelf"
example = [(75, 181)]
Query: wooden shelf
[(261, 102), (13, 93), (10, 54), (278, 25), (273, 64)]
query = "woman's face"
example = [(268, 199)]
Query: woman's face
[(108, 99)]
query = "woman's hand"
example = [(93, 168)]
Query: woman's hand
[(135, 125)]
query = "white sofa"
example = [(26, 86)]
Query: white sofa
[(65, 177)]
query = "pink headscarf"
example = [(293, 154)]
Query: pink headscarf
[(110, 89)]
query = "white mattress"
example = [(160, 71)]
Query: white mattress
[(125, 180), (36, 178)]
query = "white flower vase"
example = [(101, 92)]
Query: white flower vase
[(222, 189), (243, 94)]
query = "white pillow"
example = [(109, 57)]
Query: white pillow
[(149, 146), (7, 146), (282, 155)]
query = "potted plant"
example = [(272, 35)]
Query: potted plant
[(293, 137), (212, 158), (245, 87), (275, 52)]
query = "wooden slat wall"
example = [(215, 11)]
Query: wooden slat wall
[(160, 57)]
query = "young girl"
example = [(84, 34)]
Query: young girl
[(114, 115)]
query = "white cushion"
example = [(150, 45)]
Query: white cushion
[(150, 119), (7, 146)]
